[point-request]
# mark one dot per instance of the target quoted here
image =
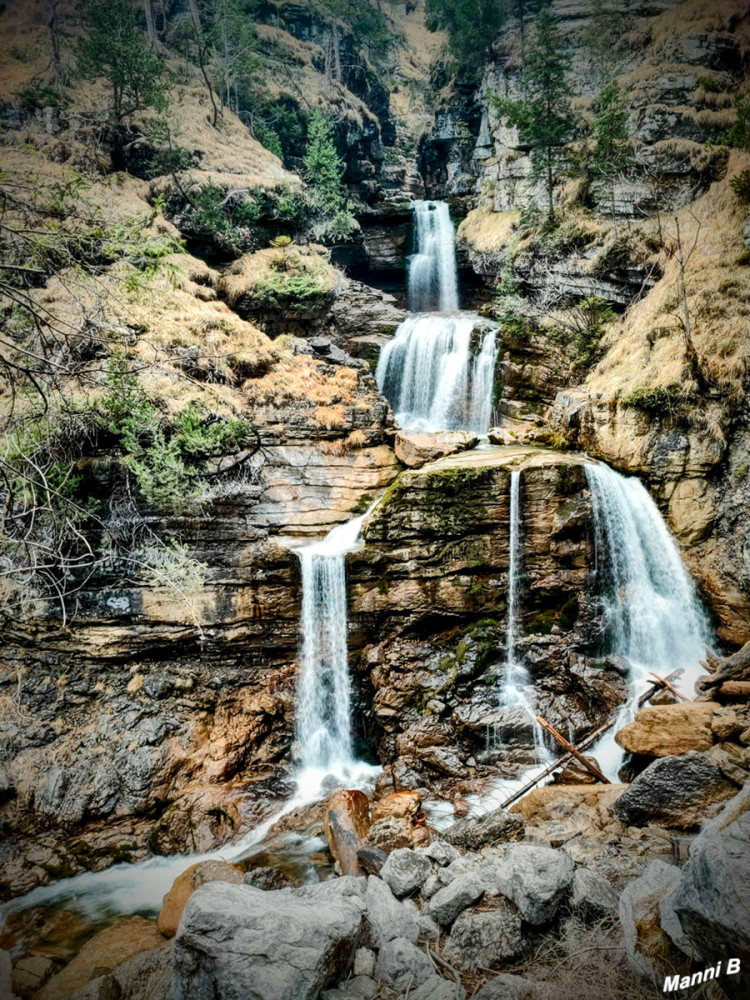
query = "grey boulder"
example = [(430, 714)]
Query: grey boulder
[(592, 897), (485, 938), (438, 988), (536, 879), (388, 918), (241, 943), (401, 965), (439, 852), (640, 917), (447, 903), (507, 987), (405, 871), (496, 827)]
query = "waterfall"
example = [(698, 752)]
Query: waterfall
[(431, 378), (431, 372), (653, 617), (323, 696), (433, 278)]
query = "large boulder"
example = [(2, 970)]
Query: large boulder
[(592, 897), (485, 938), (496, 827), (402, 966), (405, 871), (387, 917), (240, 943), (346, 822), (669, 730), (678, 792), (452, 899), (712, 900), (404, 805), (185, 885), (536, 879), (418, 448), (646, 943), (109, 948), (553, 801)]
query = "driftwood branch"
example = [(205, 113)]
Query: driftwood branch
[(572, 750)]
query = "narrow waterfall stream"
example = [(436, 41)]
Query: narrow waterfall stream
[(653, 617), (323, 722), (435, 373)]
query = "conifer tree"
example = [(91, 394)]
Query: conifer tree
[(611, 154), (471, 25), (324, 169), (543, 116)]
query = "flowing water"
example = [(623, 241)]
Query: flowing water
[(433, 275), (653, 617), (326, 758), (434, 372)]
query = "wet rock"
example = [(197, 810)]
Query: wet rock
[(403, 966), (346, 822), (485, 938), (390, 833), (499, 826), (106, 950), (669, 730), (147, 976), (5, 976), (416, 449), (186, 884), (266, 879), (712, 899), (31, 972), (405, 871), (674, 791), (101, 988), (462, 892), (592, 897), (238, 941), (641, 921), (388, 918), (371, 859), (536, 879), (404, 805)]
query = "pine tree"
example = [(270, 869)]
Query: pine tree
[(472, 26), (611, 154), (544, 117), (324, 169), (114, 48)]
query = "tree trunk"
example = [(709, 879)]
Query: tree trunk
[(60, 74), (148, 7), (734, 668), (196, 19)]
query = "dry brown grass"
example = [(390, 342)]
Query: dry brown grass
[(485, 230), (242, 276), (646, 347)]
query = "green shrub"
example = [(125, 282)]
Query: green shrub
[(710, 85), (667, 400), (300, 291), (742, 470), (744, 258), (741, 186)]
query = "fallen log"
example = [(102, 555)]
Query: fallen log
[(583, 745), (735, 689), (664, 682), (572, 750), (732, 668)]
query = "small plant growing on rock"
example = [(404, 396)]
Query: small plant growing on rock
[(741, 186)]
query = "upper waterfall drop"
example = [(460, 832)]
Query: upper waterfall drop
[(438, 371), (433, 276), (653, 616)]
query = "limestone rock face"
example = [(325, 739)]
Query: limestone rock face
[(431, 585), (416, 449), (235, 941), (676, 792), (712, 900), (640, 917), (669, 730)]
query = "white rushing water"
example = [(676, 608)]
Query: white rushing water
[(435, 373), (433, 275), (653, 616), (432, 379)]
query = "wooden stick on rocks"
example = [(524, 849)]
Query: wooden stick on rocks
[(571, 749), (664, 681)]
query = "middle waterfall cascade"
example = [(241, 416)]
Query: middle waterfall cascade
[(434, 372), (653, 616)]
